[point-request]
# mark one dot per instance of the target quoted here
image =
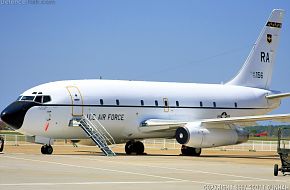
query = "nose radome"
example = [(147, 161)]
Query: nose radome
[(14, 114)]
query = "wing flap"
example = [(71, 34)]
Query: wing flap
[(158, 125)]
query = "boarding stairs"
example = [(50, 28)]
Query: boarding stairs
[(97, 132)]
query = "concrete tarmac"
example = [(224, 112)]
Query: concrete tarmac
[(24, 167)]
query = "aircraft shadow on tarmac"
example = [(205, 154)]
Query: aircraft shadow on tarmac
[(262, 157), (258, 157)]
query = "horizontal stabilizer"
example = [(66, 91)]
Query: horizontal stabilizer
[(278, 96)]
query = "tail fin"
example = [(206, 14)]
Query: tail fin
[(257, 69)]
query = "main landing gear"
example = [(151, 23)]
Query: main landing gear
[(190, 151), (46, 149), (134, 147)]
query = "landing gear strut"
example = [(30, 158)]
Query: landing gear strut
[(134, 146), (46, 149), (190, 151), (1, 144)]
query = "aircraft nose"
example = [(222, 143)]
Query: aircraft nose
[(14, 114)]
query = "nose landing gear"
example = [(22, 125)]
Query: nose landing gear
[(46, 149)]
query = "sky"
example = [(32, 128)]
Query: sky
[(153, 40)]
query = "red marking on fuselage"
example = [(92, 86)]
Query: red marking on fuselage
[(46, 126)]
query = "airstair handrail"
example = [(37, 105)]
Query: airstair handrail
[(101, 129)]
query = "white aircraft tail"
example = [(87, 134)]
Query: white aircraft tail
[(257, 69)]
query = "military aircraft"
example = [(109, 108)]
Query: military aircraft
[(117, 111)]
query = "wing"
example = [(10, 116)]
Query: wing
[(245, 121), (157, 125)]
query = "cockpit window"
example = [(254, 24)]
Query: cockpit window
[(38, 99), (19, 98), (46, 99), (27, 98)]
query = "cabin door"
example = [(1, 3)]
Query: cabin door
[(77, 101)]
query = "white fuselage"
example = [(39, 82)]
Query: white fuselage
[(121, 106)]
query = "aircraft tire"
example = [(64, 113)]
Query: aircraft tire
[(197, 151), (139, 147), (184, 150), (2, 144), (129, 147), (46, 149), (43, 149), (49, 149), (190, 151), (276, 170)]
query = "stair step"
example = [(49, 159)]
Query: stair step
[(97, 136)]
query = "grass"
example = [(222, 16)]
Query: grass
[(263, 138), (8, 132), (266, 138)]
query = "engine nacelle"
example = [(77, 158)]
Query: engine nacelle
[(194, 135)]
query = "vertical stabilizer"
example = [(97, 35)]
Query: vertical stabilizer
[(257, 69)]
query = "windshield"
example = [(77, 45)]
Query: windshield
[(27, 98), (38, 99)]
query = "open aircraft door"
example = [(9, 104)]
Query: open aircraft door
[(77, 101)]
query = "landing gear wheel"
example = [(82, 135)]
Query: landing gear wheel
[(190, 151), (43, 149), (276, 169), (184, 150), (49, 149), (138, 147), (197, 151), (129, 147), (46, 149), (2, 144)]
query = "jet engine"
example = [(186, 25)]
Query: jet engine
[(194, 135)]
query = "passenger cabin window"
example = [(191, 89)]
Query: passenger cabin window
[(166, 103), (142, 102), (200, 104), (214, 104), (177, 103), (236, 105), (101, 102), (156, 103), (117, 102)]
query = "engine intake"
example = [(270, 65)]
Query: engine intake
[(182, 135)]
